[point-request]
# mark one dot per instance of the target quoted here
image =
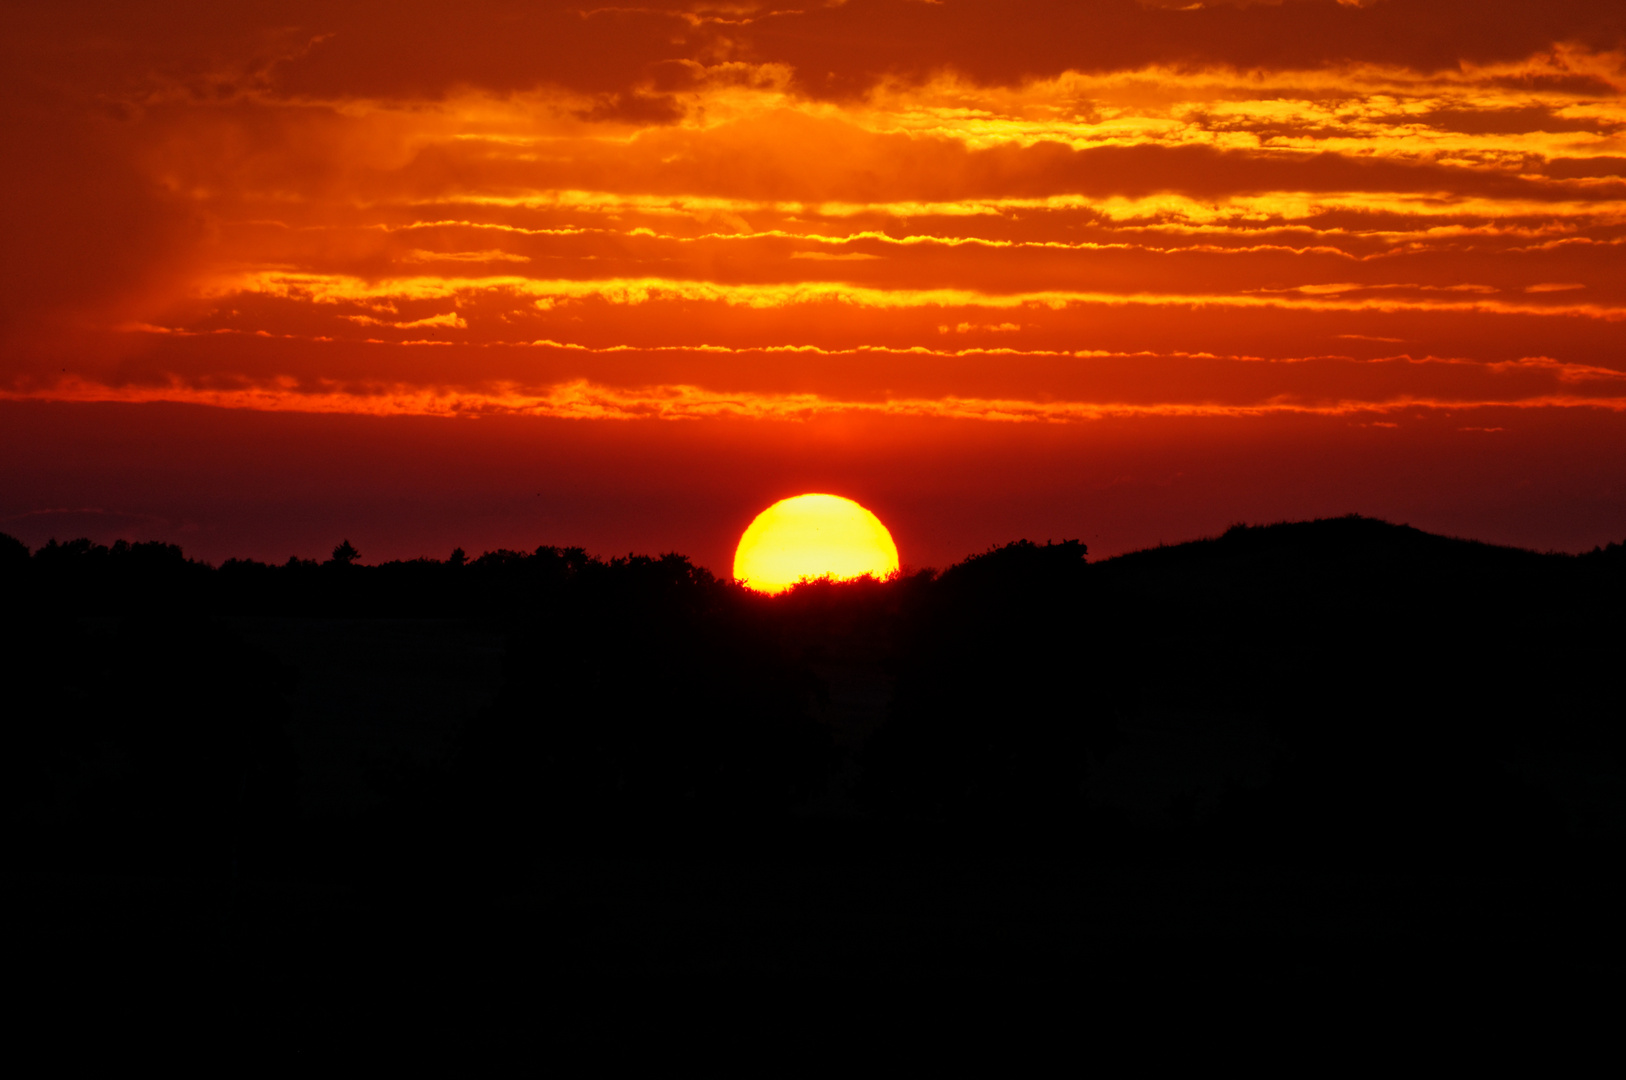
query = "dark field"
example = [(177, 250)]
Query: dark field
[(1291, 764)]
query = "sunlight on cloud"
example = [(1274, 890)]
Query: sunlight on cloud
[(719, 199)]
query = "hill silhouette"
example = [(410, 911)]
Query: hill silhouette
[(1343, 697), (1410, 685)]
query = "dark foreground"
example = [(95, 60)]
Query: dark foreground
[(795, 963), (1293, 766)]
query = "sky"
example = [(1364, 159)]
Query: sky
[(499, 274)]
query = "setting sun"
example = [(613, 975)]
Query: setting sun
[(813, 536)]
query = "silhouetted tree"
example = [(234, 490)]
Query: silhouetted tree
[(1398, 678), (13, 554), (1000, 705), (648, 697)]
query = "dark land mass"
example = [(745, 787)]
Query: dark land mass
[(1295, 758)]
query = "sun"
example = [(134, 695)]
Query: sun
[(813, 536)]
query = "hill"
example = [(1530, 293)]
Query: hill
[(1023, 683), (1343, 701)]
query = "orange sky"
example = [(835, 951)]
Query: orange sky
[(975, 264)]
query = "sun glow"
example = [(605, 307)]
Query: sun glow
[(813, 536)]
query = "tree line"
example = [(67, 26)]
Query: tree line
[(1400, 696)]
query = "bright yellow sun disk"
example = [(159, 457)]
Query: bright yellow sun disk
[(813, 536)]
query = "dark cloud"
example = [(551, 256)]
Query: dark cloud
[(1588, 85), (1513, 121), (1586, 167), (792, 156), (1047, 169), (421, 48), (844, 48), (202, 142), (632, 108)]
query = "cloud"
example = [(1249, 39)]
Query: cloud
[(450, 320), (521, 292), (634, 108), (1188, 387), (619, 55), (281, 204), (834, 256), (419, 255)]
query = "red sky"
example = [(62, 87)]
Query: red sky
[(518, 273)]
